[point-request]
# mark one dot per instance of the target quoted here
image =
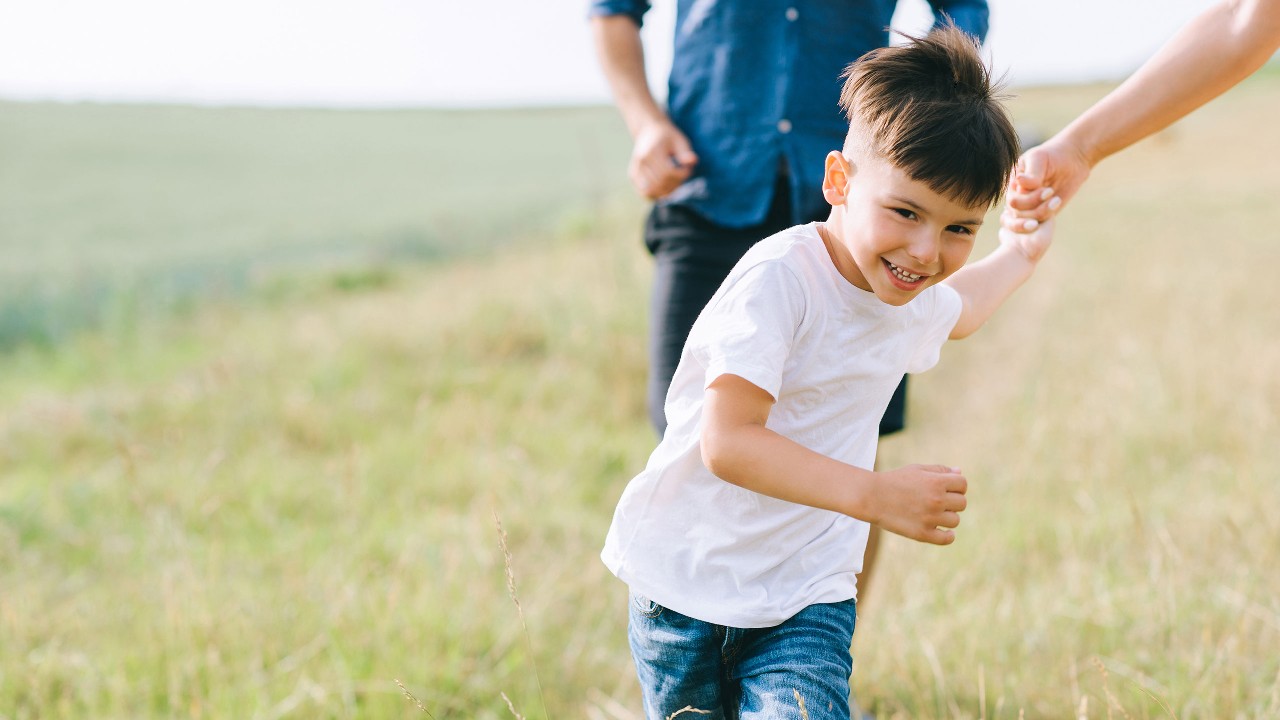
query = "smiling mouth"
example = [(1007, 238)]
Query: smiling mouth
[(908, 278)]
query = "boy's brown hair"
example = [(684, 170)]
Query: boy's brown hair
[(931, 109)]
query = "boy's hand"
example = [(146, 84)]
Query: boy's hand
[(917, 501), (1030, 238)]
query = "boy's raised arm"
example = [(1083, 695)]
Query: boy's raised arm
[(984, 285), (918, 501)]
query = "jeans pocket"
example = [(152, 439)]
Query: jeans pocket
[(645, 607)]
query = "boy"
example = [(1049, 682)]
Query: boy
[(741, 539)]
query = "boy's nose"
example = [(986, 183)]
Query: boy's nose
[(923, 249)]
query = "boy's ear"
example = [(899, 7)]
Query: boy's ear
[(835, 178)]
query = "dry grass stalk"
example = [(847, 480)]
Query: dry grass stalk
[(414, 700), (803, 712), (982, 693), (688, 709), (1106, 689), (511, 706), (515, 598)]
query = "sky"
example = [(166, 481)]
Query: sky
[(446, 53)]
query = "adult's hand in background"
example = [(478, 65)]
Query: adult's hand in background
[(660, 160)]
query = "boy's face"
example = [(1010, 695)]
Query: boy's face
[(889, 234)]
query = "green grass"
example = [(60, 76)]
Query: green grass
[(277, 504), (110, 212), (277, 485)]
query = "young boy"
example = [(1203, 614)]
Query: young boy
[(741, 539)]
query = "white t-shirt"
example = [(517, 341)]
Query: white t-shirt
[(831, 355)]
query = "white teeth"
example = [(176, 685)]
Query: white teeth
[(903, 275)]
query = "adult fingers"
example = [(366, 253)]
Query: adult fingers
[(682, 154), (1033, 202), (1031, 169), (642, 180), (1017, 223), (673, 174), (666, 175)]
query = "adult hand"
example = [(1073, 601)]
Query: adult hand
[(660, 160), (1046, 178)]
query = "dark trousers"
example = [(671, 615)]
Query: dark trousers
[(692, 257)]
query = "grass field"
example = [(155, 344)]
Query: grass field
[(111, 212), (273, 504)]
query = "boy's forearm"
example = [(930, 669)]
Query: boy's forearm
[(759, 459), (984, 286), (917, 501)]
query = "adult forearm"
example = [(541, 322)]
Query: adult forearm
[(621, 55), (1209, 55)]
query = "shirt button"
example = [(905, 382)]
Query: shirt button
[(792, 14), (784, 126)]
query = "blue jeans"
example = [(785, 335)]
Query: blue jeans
[(743, 674)]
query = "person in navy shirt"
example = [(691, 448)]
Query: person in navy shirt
[(737, 153)]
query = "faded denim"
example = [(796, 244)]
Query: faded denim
[(743, 674)]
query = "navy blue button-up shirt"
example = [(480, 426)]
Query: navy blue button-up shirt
[(756, 83)]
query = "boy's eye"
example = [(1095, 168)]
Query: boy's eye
[(905, 213), (960, 229)]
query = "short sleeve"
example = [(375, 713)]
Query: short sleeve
[(938, 321), (971, 16), (635, 9), (749, 327)]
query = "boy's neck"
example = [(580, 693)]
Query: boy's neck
[(840, 256)]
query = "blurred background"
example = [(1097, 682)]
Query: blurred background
[(322, 359), (393, 53), (185, 138)]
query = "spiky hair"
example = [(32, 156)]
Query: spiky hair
[(930, 108)]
